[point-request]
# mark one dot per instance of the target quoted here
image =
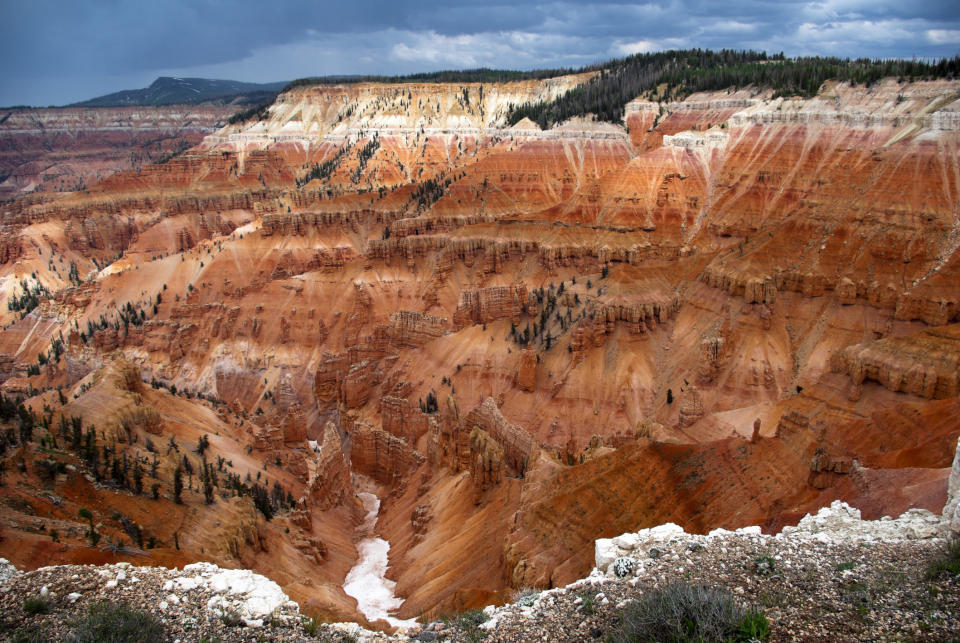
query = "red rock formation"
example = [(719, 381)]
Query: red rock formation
[(400, 418), (330, 483), (383, 457), (526, 377), (691, 407), (486, 465), (488, 304), (420, 521), (925, 364), (518, 446), (782, 260)]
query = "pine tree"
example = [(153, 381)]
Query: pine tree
[(178, 485), (137, 478), (207, 483)]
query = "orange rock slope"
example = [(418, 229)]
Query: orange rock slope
[(729, 310)]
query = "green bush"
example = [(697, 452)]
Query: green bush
[(525, 596), (36, 605), (682, 613), (765, 565), (107, 623), (30, 635), (947, 563), (469, 623), (754, 627)]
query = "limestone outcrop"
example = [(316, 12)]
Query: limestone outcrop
[(951, 510)]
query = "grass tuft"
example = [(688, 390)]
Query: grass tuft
[(588, 603)]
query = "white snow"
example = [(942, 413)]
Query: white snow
[(367, 581)]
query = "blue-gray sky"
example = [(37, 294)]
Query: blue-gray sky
[(61, 51)]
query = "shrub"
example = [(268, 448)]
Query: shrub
[(36, 605), (231, 618), (947, 563), (107, 623), (679, 613), (469, 623), (754, 627), (48, 469), (29, 635), (623, 567), (765, 566), (525, 596)]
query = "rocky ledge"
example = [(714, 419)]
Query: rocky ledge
[(832, 577)]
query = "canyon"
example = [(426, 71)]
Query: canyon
[(62, 149), (731, 309)]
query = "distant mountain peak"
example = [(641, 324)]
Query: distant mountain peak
[(173, 90)]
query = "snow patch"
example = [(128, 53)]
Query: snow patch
[(367, 581)]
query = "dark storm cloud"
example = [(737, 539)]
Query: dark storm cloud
[(60, 51)]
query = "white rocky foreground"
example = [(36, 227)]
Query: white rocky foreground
[(838, 523), (236, 592)]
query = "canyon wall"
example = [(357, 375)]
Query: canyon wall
[(71, 148)]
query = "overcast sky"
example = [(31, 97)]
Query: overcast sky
[(61, 51)]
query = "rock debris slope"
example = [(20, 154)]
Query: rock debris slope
[(729, 310)]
